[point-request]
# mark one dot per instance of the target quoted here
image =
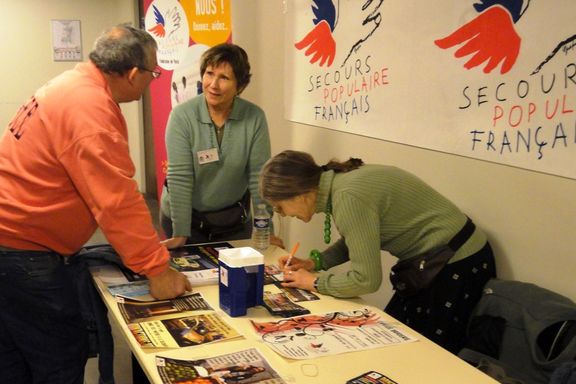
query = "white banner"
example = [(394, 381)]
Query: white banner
[(487, 79)]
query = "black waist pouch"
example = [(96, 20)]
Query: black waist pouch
[(410, 276), (224, 221)]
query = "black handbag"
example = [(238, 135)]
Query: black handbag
[(410, 276), (224, 221)]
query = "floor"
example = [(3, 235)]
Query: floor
[(122, 355)]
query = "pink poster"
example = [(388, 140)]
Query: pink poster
[(183, 30)]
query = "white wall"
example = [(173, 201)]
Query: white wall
[(27, 57), (529, 217)]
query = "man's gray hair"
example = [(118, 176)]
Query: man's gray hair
[(122, 48)]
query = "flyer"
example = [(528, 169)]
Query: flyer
[(135, 311), (182, 331)]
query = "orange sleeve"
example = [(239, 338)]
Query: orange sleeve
[(100, 167)]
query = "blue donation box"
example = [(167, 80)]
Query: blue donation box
[(241, 279)]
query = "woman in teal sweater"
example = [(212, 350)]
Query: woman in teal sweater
[(216, 145), (377, 207)]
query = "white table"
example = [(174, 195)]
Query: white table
[(410, 363)]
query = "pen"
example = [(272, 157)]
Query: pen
[(292, 255)]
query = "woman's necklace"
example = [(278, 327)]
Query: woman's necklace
[(219, 132), (219, 128), (328, 223)]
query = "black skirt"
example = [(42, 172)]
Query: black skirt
[(441, 312)]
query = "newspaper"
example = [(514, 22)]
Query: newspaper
[(311, 336), (242, 367)]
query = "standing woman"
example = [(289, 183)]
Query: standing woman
[(377, 207), (216, 145)]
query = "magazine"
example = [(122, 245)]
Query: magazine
[(242, 367), (310, 336), (371, 377), (134, 311), (182, 331), (273, 275), (278, 304), (198, 262), (297, 294)]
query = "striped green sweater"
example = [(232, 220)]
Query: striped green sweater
[(377, 207)]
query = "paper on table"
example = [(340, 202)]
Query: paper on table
[(311, 336)]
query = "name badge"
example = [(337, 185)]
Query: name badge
[(207, 156)]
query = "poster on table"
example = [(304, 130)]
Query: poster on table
[(183, 30), (487, 79), (311, 336)]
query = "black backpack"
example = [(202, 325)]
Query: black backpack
[(521, 333)]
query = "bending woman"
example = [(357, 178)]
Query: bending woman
[(374, 208)]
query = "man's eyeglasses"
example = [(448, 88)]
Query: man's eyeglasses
[(155, 74)]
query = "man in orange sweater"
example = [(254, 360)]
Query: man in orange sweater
[(65, 170)]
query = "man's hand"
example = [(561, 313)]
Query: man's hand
[(169, 284)]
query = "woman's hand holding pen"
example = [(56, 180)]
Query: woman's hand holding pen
[(301, 278), (291, 263), (296, 271), (295, 264)]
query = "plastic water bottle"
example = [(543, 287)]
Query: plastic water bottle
[(261, 228)]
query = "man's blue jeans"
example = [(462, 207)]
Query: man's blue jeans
[(43, 338)]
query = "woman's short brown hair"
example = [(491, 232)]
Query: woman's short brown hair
[(231, 54)]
